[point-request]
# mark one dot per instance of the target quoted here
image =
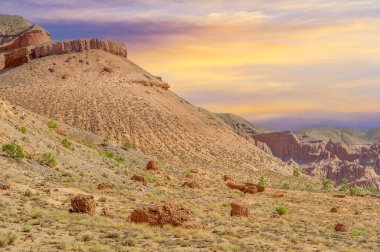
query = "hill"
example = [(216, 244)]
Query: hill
[(109, 95), (241, 125)]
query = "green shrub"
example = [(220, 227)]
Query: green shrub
[(48, 159), (357, 233), (327, 184), (119, 159), (296, 172), (7, 239), (344, 186), (262, 181), (52, 124), (281, 210), (286, 185), (13, 150), (67, 144), (354, 191)]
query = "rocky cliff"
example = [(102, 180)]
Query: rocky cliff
[(34, 35), (21, 42), (23, 55), (336, 161)]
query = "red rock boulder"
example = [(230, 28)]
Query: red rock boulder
[(240, 210), (171, 213), (342, 228), (83, 204), (152, 165)]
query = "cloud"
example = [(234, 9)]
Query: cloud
[(259, 59)]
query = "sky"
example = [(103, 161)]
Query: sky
[(283, 64)]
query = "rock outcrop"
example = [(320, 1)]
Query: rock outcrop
[(336, 161), (23, 55), (34, 35), (171, 213)]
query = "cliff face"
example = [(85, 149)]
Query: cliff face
[(336, 161), (19, 45), (32, 36), (25, 54)]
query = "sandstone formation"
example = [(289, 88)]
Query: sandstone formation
[(170, 213), (83, 204), (240, 210), (34, 35), (336, 161), (22, 55)]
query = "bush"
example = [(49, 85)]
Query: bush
[(327, 184), (296, 172), (344, 186), (7, 239), (354, 191), (281, 210), (262, 181), (48, 159), (13, 150), (52, 124), (67, 144), (286, 185)]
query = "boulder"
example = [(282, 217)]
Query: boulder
[(152, 165), (342, 228), (246, 188), (334, 210), (240, 210), (170, 213), (83, 204)]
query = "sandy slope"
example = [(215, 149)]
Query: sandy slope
[(76, 89)]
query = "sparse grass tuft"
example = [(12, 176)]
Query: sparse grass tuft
[(52, 124), (281, 211), (48, 159), (7, 239), (67, 143)]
